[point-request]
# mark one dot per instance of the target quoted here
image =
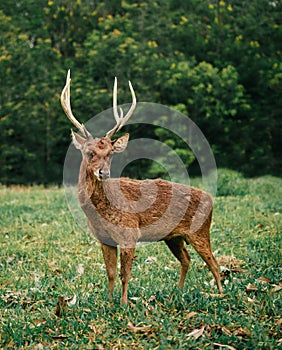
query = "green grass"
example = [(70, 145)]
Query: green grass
[(42, 249)]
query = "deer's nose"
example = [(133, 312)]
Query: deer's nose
[(104, 174)]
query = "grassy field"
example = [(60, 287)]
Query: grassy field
[(46, 259)]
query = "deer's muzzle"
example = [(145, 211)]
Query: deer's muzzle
[(103, 174)]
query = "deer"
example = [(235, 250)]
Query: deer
[(124, 211)]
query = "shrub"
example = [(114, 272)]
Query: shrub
[(231, 183)]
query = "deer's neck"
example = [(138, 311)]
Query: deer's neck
[(89, 187)]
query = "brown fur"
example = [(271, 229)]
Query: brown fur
[(125, 211)]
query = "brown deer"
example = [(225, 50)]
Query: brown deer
[(123, 211)]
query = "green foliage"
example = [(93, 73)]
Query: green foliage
[(217, 61), (231, 183), (45, 256)]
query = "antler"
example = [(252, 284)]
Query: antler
[(65, 102), (120, 120)]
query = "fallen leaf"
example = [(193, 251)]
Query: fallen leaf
[(238, 269), (135, 299), (93, 328), (229, 261), (213, 295), (152, 298), (171, 298), (279, 321), (135, 329), (276, 289), (39, 322), (251, 288), (10, 259), (224, 271), (250, 300), (28, 236), (264, 279), (150, 259), (241, 332), (80, 269), (196, 333), (71, 301), (191, 314), (224, 346), (216, 295), (226, 330), (59, 337), (10, 297)]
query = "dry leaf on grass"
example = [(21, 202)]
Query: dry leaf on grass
[(191, 314), (213, 295), (196, 333), (150, 259), (223, 346), (226, 330), (59, 337), (152, 298), (251, 288), (71, 301), (135, 329), (241, 332), (264, 279), (229, 261), (93, 328), (276, 289), (39, 322), (238, 269), (80, 269)]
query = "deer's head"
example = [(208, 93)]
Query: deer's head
[(97, 152)]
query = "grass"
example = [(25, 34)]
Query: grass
[(46, 258)]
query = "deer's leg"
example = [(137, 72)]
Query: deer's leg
[(126, 259), (110, 258), (177, 247), (203, 248)]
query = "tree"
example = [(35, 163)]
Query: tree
[(217, 61)]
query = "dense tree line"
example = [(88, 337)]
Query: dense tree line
[(219, 62)]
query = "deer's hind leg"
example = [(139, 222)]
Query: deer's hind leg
[(177, 247), (201, 243)]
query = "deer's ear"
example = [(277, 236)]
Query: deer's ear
[(77, 140), (119, 145)]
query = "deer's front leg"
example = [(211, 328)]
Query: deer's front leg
[(126, 259), (110, 258)]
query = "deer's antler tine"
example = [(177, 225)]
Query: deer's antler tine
[(121, 113), (120, 120), (65, 102), (115, 109), (131, 109)]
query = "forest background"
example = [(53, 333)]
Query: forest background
[(219, 62)]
